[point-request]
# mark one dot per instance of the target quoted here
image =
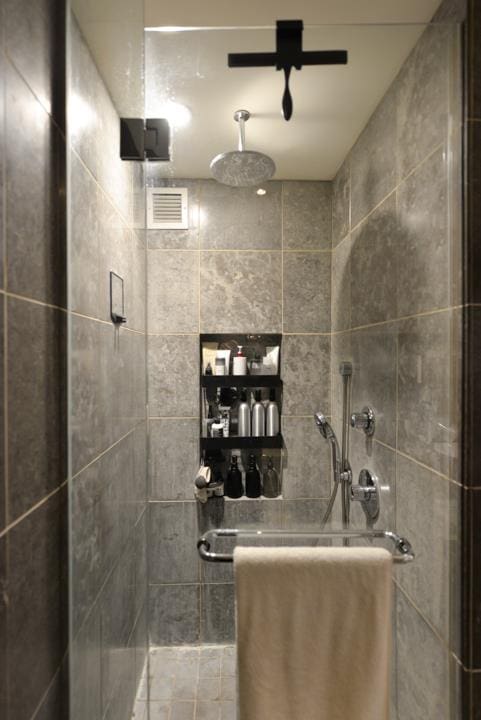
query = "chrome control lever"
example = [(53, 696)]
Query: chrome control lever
[(367, 493), (364, 420)]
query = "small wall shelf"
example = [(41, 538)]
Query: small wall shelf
[(241, 443), (257, 381)]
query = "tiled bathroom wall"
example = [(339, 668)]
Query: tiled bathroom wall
[(396, 293), (33, 471), (247, 264), (108, 400)]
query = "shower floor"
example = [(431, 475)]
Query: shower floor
[(188, 683)]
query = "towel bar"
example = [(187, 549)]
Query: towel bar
[(402, 552)]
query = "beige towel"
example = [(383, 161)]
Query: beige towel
[(313, 633)]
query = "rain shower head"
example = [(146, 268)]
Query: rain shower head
[(242, 168)]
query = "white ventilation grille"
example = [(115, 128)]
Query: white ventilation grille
[(167, 208)]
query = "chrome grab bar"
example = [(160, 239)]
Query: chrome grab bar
[(402, 550)]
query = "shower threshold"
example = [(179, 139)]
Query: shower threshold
[(188, 682)]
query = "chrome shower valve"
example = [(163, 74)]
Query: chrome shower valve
[(364, 420)]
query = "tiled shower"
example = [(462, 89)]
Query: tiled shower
[(370, 267)]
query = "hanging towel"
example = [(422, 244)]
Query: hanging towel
[(313, 632)]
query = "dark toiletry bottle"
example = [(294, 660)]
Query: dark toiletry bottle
[(270, 481), (253, 479), (233, 482)]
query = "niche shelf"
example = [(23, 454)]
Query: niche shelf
[(242, 381), (234, 442)]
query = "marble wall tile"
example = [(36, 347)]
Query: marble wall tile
[(36, 440), (173, 375), (187, 239), (341, 203), (306, 374), (85, 657), (35, 268), (84, 241), (303, 514), (423, 515), (117, 619), (36, 633), (174, 614), (173, 554), (35, 42), (374, 377), (423, 92), (240, 292), (423, 667), (3, 498), (115, 254), (217, 620), (307, 292), (423, 263), (2, 154), (373, 160), (306, 213), (425, 395), (173, 291), (173, 458), (3, 623), (141, 576), (307, 470), (341, 351), (341, 286), (373, 266), (238, 218)]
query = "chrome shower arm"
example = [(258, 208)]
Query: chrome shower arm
[(240, 116)]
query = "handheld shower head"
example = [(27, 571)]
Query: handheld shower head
[(324, 427)]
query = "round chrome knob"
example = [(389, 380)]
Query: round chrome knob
[(364, 420)]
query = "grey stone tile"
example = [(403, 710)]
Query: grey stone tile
[(341, 203), (208, 689), (423, 107), (382, 462), (426, 395), (187, 239), (424, 516), (240, 292), (3, 624), (341, 351), (115, 254), (218, 622), (141, 577), (117, 607), (208, 710), (173, 291), (141, 638), (341, 286), (159, 710), (228, 710), (85, 684), (3, 498), (423, 264), (2, 156), (35, 42), (238, 218), (374, 267), (306, 374), (228, 688), (173, 458), (85, 380), (173, 534), (306, 212), (423, 668), (37, 632), (229, 662), (303, 514), (55, 702), (307, 465), (373, 160), (36, 441), (374, 379), (182, 711), (137, 299), (307, 292), (210, 662), (174, 614), (186, 686), (34, 269), (84, 243), (161, 687), (173, 372)]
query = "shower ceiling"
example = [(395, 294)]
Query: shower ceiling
[(333, 103)]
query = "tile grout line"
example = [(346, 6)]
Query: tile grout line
[(32, 509)]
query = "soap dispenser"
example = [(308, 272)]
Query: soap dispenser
[(239, 362), (271, 485)]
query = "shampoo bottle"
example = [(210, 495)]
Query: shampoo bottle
[(244, 417), (233, 482), (258, 417), (272, 415)]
